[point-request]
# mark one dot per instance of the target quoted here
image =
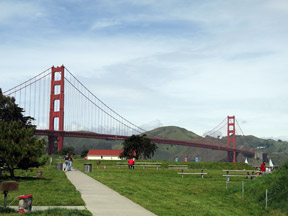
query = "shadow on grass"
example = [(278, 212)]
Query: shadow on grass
[(56, 211), (23, 178)]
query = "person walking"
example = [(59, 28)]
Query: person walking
[(70, 163), (66, 158)]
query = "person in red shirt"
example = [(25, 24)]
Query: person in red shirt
[(263, 167), (131, 163)]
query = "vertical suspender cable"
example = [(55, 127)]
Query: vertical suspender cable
[(20, 96), (39, 105), (34, 112), (43, 99), (25, 101), (30, 99)]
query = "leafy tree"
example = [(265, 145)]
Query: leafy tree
[(138, 146), (10, 111), (69, 150), (19, 149), (84, 153)]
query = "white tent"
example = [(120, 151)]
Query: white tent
[(271, 163), (246, 161)]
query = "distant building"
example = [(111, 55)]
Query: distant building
[(95, 154)]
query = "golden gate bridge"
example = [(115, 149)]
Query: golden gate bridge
[(62, 106)]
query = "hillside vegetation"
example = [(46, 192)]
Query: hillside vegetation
[(277, 186), (277, 150), (165, 192)]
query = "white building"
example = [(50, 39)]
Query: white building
[(95, 154)]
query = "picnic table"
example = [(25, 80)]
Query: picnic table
[(193, 173), (241, 173), (178, 166), (142, 164)]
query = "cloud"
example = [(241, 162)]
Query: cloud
[(185, 63), (151, 125), (19, 11), (105, 23)]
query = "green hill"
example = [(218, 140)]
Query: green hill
[(173, 132), (170, 152), (277, 186), (277, 150)]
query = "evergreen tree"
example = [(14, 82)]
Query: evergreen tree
[(19, 149), (10, 111)]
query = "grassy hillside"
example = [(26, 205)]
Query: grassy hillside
[(277, 150), (80, 144), (170, 152), (173, 132), (277, 186), (165, 192)]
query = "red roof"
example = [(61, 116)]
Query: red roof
[(104, 152)]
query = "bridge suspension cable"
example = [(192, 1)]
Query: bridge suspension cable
[(216, 131), (101, 106), (33, 96)]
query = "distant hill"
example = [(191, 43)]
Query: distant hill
[(173, 132), (277, 150), (170, 152)]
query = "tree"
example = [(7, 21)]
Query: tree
[(84, 153), (19, 149), (10, 111), (138, 146), (67, 150)]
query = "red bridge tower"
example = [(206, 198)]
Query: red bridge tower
[(56, 115), (231, 138)]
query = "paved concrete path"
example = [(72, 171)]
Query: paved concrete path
[(101, 200)]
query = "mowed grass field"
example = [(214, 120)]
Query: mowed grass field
[(164, 192), (53, 189)]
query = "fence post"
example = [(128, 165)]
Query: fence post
[(243, 190), (266, 198)]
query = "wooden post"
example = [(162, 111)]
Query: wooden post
[(266, 198), (243, 190)]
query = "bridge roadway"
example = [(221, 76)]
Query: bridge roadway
[(120, 137)]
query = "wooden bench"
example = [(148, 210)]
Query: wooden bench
[(249, 173), (178, 167), (142, 164), (193, 173)]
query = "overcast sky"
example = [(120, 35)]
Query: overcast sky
[(186, 63)]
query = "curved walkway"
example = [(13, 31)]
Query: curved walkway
[(101, 200)]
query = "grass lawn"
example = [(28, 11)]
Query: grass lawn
[(164, 192), (53, 189)]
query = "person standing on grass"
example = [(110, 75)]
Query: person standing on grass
[(66, 158), (70, 163), (263, 167), (131, 163)]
